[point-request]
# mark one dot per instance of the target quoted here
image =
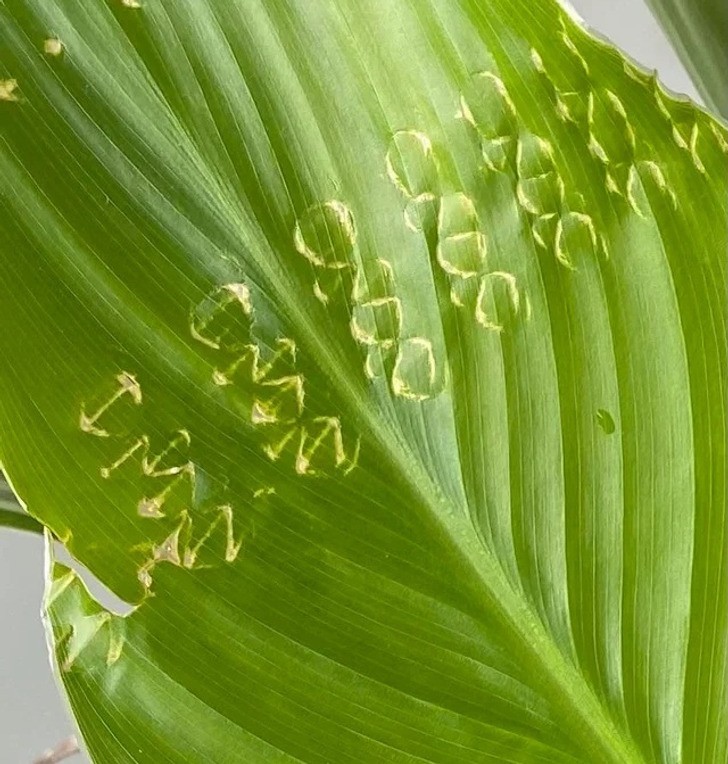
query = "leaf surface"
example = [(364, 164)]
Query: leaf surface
[(377, 351)]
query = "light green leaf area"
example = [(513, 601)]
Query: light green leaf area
[(377, 351)]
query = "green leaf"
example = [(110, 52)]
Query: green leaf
[(376, 352), (699, 31)]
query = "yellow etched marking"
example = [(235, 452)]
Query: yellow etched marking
[(377, 322), (634, 191), (487, 106), (144, 574), (679, 140), (462, 254), (168, 550), (597, 150), (259, 415), (540, 190), (225, 515), (694, 137), (574, 232), (52, 46), (604, 246), (128, 385), (410, 164), (576, 106), (420, 212), (274, 449), (481, 314), (141, 443), (325, 235), (415, 370), (541, 196), (534, 156), (116, 647), (373, 365), (537, 61), (250, 363), (374, 280), (285, 404), (232, 547), (571, 47), (461, 248), (241, 293), (611, 136), (544, 230), (319, 294), (719, 137), (152, 506), (563, 112), (616, 103), (8, 90), (657, 93), (286, 349), (155, 467), (352, 461), (654, 171), (324, 428), (497, 153), (210, 311), (151, 466)]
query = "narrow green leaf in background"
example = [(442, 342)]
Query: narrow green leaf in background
[(699, 31), (12, 514), (376, 352)]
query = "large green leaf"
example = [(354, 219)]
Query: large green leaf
[(377, 350)]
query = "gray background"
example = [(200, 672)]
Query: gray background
[(33, 715)]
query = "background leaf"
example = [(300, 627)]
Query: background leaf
[(12, 514), (699, 32), (379, 353)]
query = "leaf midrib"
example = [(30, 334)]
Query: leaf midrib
[(489, 587)]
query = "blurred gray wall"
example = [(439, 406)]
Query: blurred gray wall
[(32, 713)]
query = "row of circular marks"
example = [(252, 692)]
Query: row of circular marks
[(450, 223), (559, 222), (366, 289)]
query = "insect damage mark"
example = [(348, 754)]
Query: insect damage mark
[(265, 383), (455, 236), (127, 385), (8, 90), (52, 46), (165, 480), (486, 105)]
